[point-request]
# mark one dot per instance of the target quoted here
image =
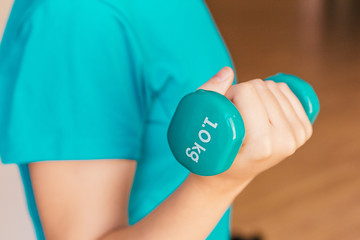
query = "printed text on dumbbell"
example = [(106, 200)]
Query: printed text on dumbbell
[(204, 137)]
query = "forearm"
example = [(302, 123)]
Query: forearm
[(191, 212)]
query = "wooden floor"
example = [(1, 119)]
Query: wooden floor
[(315, 194)]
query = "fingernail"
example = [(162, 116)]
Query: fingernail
[(223, 74)]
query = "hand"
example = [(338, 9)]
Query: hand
[(275, 124)]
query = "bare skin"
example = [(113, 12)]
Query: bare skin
[(88, 199)]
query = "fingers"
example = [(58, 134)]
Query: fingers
[(298, 108), (272, 106), (294, 122), (220, 82), (266, 103), (251, 107)]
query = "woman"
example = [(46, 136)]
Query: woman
[(88, 89)]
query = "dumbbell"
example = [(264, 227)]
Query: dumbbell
[(206, 131)]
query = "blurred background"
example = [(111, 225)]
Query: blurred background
[(315, 194), (15, 223)]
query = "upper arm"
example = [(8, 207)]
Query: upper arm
[(73, 92), (82, 199)]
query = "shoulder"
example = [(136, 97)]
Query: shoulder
[(69, 7), (63, 23), (96, 14), (80, 16)]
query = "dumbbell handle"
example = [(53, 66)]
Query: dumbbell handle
[(207, 130)]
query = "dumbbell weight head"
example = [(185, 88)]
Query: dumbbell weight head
[(207, 130)]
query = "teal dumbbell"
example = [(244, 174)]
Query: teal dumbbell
[(207, 130)]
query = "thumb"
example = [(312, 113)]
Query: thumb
[(220, 82)]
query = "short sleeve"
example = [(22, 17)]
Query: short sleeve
[(74, 89)]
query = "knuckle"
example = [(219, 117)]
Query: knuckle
[(245, 87), (270, 83), (257, 81), (283, 85), (239, 91)]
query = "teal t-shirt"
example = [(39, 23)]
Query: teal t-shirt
[(100, 79)]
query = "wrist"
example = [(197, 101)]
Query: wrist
[(218, 185)]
